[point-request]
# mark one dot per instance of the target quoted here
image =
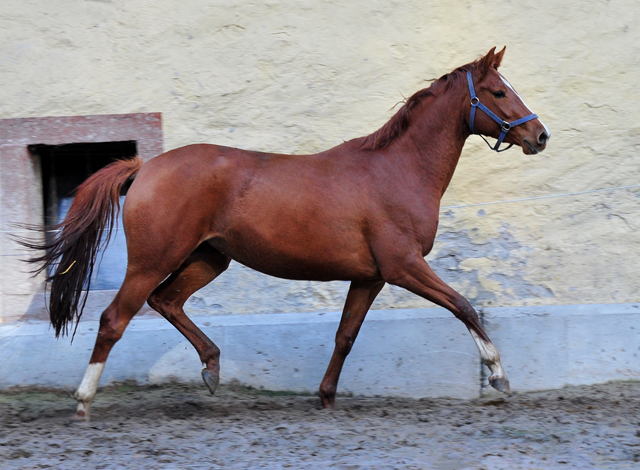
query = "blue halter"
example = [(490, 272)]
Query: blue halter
[(504, 125)]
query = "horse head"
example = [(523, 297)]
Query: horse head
[(502, 113)]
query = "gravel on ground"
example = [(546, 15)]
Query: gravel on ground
[(183, 427)]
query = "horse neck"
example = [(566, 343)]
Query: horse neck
[(435, 137)]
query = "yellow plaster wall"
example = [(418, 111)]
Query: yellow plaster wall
[(301, 76)]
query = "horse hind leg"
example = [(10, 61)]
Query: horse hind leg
[(199, 269), (359, 300), (114, 320)]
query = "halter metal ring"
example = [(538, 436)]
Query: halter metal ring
[(474, 101), (506, 126)]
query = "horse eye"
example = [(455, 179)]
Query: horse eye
[(499, 94)]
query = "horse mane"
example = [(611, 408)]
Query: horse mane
[(399, 123)]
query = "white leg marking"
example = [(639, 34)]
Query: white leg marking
[(87, 389), (490, 356)]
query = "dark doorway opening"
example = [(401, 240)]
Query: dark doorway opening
[(64, 168)]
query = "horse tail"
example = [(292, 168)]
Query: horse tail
[(72, 251)]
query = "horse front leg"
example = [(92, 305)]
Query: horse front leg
[(360, 297), (418, 277)]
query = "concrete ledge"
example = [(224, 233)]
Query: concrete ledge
[(411, 353)]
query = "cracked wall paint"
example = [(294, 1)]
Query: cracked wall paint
[(299, 77), (489, 271)]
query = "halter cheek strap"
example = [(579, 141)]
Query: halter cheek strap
[(505, 126)]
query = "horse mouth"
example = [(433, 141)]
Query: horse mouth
[(532, 149)]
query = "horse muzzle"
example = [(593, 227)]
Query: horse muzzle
[(532, 147)]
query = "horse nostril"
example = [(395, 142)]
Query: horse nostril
[(543, 138)]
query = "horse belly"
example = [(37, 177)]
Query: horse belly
[(287, 256), (295, 219)]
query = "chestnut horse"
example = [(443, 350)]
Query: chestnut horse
[(365, 211)]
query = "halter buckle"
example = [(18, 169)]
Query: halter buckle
[(506, 126), (474, 101)]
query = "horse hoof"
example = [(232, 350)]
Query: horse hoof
[(79, 417), (211, 380), (500, 383)]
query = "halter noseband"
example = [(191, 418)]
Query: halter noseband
[(504, 125)]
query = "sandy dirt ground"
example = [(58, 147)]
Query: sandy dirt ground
[(183, 427)]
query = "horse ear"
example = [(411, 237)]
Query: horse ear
[(486, 62), (497, 60)]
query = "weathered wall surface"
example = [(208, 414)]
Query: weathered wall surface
[(300, 76)]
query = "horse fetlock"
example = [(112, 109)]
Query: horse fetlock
[(491, 358), (82, 412), (327, 394), (498, 378), (211, 357), (87, 391)]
